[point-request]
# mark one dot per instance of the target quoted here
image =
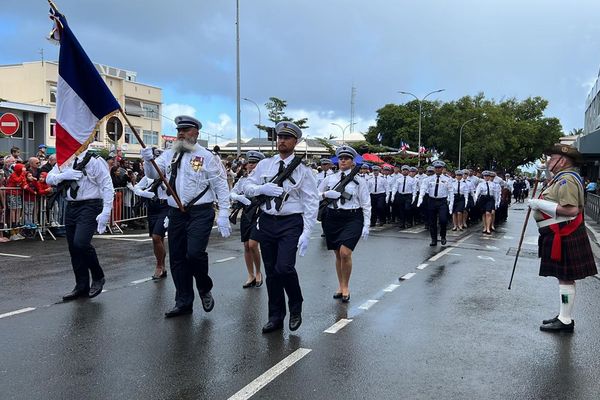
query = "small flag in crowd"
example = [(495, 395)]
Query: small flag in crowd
[(379, 137), (404, 146), (422, 150), (82, 98)]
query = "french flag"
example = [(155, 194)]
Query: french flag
[(82, 97)]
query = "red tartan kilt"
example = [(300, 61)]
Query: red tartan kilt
[(577, 261)]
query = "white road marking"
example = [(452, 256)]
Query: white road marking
[(440, 254), (508, 237), (367, 304), (21, 311), (407, 276), (391, 288), (14, 255), (103, 291), (486, 258), (454, 254), (263, 380), (141, 281), (422, 266), (491, 247), (225, 259), (122, 239), (337, 326)]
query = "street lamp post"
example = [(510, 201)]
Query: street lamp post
[(343, 130), (258, 108), (460, 139), (420, 112)]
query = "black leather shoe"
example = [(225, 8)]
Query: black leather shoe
[(346, 299), (258, 283), (337, 295), (75, 294), (177, 311), (549, 321), (208, 303), (272, 327), (433, 243), (249, 284), (159, 277), (558, 326), (295, 321), (443, 241), (96, 287)]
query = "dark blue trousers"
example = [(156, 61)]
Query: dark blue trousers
[(188, 238), (378, 208), (278, 237), (403, 206), (438, 210), (80, 225)]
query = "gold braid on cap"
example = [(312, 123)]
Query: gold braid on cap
[(285, 129)]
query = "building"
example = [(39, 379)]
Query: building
[(32, 128), (589, 142), (311, 148), (34, 84)]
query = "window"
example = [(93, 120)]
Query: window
[(97, 137), (19, 133), (134, 107), (151, 138), (53, 94), (150, 110), (52, 127), (30, 132), (129, 136)]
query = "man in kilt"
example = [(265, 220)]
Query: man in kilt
[(564, 246)]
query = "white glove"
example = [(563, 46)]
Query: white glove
[(451, 207), (70, 175), (102, 220), (365, 232), (393, 197), (147, 154), (332, 194), (166, 223), (244, 200), (223, 225), (545, 206), (419, 202), (303, 244), (145, 194), (271, 189)]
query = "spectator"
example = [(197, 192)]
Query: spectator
[(591, 187), (47, 167), (17, 182), (41, 154), (29, 197), (15, 152), (2, 206), (33, 165)]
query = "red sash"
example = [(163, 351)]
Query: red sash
[(559, 232)]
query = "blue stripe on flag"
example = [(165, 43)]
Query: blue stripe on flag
[(75, 67)]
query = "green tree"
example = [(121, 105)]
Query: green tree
[(575, 132), (276, 112)]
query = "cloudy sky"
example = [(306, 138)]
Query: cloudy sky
[(311, 53)]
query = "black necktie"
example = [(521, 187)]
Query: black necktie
[(174, 168), (375, 184), (488, 188), (404, 185), (342, 177), (459, 187), (282, 167), (437, 184)]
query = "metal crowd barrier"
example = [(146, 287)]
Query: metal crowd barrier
[(592, 206), (25, 215)]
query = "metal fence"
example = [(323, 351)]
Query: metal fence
[(25, 215), (592, 206)]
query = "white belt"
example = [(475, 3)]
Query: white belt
[(547, 222)]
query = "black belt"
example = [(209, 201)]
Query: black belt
[(438, 198), (344, 211), (76, 203), (198, 206), (278, 217), (159, 201)]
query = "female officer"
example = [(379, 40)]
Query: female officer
[(486, 197), (346, 219), (461, 196), (251, 250)]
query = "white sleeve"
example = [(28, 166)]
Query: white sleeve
[(252, 188), (162, 163), (364, 199), (217, 177), (310, 199), (98, 169), (142, 185), (52, 178)]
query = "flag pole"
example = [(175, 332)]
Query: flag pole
[(160, 174)]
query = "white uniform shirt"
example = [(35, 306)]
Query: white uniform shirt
[(444, 188), (367, 177), (323, 174), (378, 185), (145, 183), (94, 184), (405, 185), (482, 190), (359, 192), (302, 196), (240, 185), (465, 188), (198, 169)]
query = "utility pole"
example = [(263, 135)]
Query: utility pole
[(352, 98), (237, 42)]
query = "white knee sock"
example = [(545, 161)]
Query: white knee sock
[(567, 300)]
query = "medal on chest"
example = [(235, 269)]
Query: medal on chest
[(197, 163)]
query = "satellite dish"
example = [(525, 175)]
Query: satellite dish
[(114, 128)]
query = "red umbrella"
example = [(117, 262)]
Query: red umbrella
[(374, 158)]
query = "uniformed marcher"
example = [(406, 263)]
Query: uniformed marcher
[(89, 203), (326, 170), (404, 193), (564, 246), (155, 194), (379, 190), (248, 223), (345, 220), (281, 231), (199, 179), (462, 190), (364, 172), (441, 199), (486, 198)]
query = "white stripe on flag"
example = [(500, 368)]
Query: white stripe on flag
[(72, 113)]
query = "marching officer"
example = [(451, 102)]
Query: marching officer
[(248, 223), (89, 203), (345, 220), (404, 193), (326, 170), (283, 231), (486, 198), (564, 246), (462, 191), (439, 189), (364, 172), (199, 179), (378, 189)]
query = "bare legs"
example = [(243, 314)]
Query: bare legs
[(252, 258), (343, 267), (158, 243)]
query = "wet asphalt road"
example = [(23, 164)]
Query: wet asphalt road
[(452, 330)]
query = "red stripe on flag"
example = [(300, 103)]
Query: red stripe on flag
[(66, 145)]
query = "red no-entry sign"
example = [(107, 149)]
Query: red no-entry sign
[(9, 124)]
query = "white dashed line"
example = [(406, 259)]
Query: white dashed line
[(225, 259), (422, 266), (14, 255), (21, 311), (491, 247), (367, 304), (454, 254), (141, 281), (263, 380), (508, 237), (440, 254), (391, 288), (486, 258), (337, 326), (407, 276)]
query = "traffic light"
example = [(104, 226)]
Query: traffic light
[(271, 135)]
